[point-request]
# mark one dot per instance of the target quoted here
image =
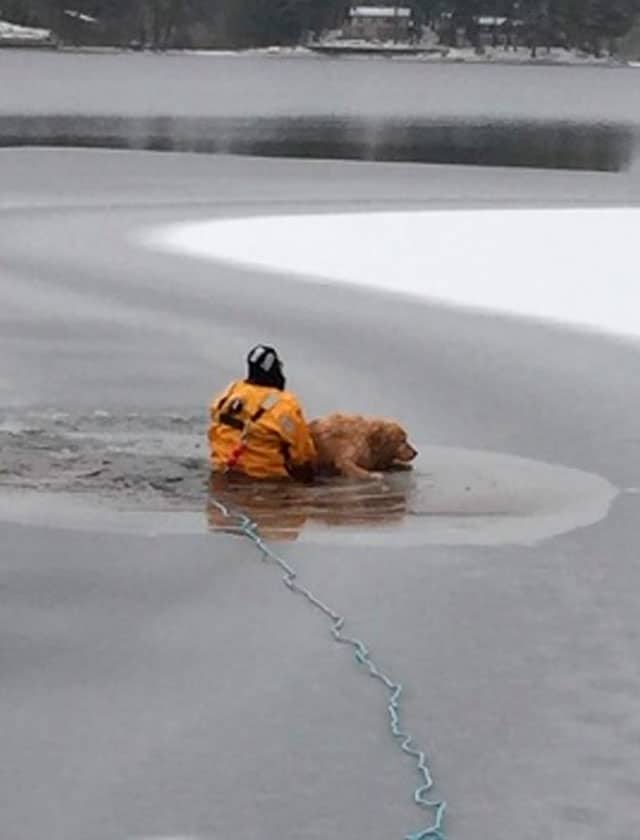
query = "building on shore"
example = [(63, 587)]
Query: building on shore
[(379, 23)]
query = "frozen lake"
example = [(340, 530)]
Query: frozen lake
[(257, 85), (309, 106), (160, 682)]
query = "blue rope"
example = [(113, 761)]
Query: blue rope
[(244, 526)]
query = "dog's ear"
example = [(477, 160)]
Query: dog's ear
[(377, 434)]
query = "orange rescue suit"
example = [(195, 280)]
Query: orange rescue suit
[(260, 432)]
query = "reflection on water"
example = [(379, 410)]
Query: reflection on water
[(282, 509), (549, 144)]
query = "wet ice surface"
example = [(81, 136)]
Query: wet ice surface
[(559, 145), (149, 474), (148, 683)]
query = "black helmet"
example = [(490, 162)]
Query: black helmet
[(265, 367)]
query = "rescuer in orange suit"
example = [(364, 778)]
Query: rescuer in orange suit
[(258, 428)]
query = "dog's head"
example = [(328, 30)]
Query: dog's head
[(389, 442)]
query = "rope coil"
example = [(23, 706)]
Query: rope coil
[(246, 527)]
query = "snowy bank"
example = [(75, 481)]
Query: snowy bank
[(577, 266), (555, 55), (11, 33)]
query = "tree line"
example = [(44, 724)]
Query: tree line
[(160, 24), (585, 24)]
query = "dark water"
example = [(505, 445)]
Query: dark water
[(548, 145)]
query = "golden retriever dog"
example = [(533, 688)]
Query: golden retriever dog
[(360, 447)]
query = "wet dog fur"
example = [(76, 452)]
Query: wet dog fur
[(360, 447)]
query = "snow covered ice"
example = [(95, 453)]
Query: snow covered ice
[(574, 265)]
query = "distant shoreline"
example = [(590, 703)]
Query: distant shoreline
[(468, 55), (554, 58)]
